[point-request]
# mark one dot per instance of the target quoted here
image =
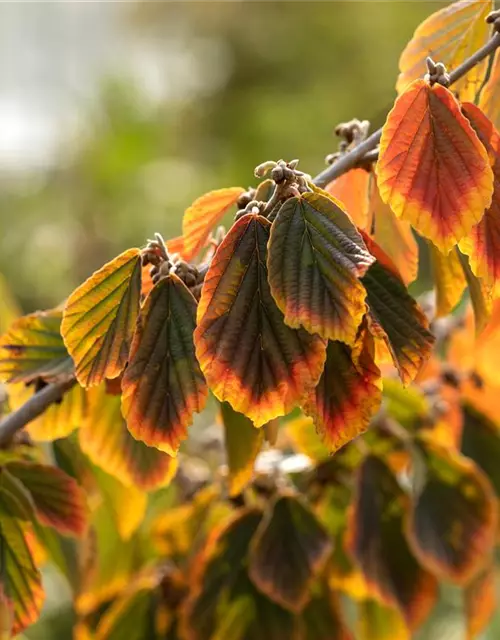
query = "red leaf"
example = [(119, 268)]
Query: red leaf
[(250, 358), (59, 500), (348, 393), (203, 215), (432, 170), (163, 385)]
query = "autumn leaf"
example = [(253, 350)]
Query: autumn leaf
[(481, 296), (432, 169), (449, 280), (394, 236), (395, 317), (200, 218), (351, 188), (289, 550), (33, 348), (489, 102), (321, 619), (59, 500), (99, 319), (348, 393), (451, 35), (250, 358), (163, 385), (104, 437), (376, 539), (21, 591), (453, 523), (316, 257), (223, 597), (481, 443), (480, 600), (243, 443), (482, 245), (377, 621)]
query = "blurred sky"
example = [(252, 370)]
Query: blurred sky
[(114, 116)]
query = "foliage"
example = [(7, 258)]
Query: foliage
[(299, 323)]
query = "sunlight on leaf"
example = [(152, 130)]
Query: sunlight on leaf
[(450, 35), (315, 259), (432, 169), (351, 189), (99, 319), (449, 280), (250, 358)]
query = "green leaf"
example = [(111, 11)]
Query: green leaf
[(316, 256), (21, 591), (288, 552), (452, 526), (33, 348), (163, 385), (243, 442), (99, 319), (395, 317), (377, 542), (481, 443), (59, 500)]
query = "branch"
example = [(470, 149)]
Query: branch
[(32, 408), (353, 157)]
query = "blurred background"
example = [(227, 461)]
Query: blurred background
[(114, 116)]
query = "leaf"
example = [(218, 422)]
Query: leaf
[(395, 317), (348, 393), (449, 280), (377, 621), (322, 619), (453, 523), (59, 500), (481, 443), (482, 245), (489, 102), (480, 295), (163, 385), (480, 601), (131, 617), (376, 539), (394, 236), (243, 443), (451, 35), (315, 259), (305, 439), (104, 437), (219, 580), (289, 550), (250, 358), (21, 591), (351, 189), (99, 319), (432, 169), (200, 218), (33, 348)]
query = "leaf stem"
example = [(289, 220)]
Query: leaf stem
[(352, 158), (32, 408)]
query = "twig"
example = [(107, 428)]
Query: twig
[(32, 408), (353, 157)]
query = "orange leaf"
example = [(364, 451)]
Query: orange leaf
[(450, 35), (394, 236), (482, 245), (351, 189), (104, 437), (449, 280), (99, 319), (348, 393), (432, 170), (203, 215), (480, 601), (249, 356), (163, 385)]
